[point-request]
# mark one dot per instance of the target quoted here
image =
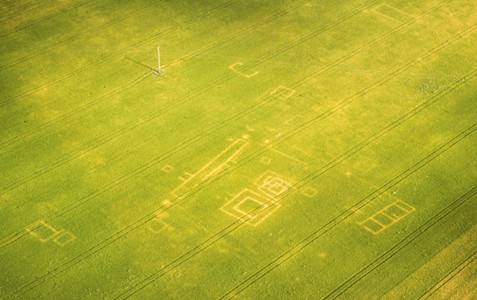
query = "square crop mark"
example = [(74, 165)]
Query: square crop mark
[(395, 212), (156, 225), (372, 226), (365, 164), (273, 188), (233, 67), (392, 13), (383, 219), (249, 207), (167, 168), (309, 192), (282, 92), (265, 160), (408, 208), (272, 184), (42, 231), (64, 238)]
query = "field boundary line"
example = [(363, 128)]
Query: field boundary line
[(431, 291)]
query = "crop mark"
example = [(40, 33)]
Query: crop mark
[(241, 73), (45, 232), (157, 225), (389, 215), (386, 256), (246, 112), (391, 13), (211, 240), (282, 92), (250, 207), (222, 161), (254, 206), (418, 108), (322, 230)]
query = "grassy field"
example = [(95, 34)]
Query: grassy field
[(291, 149)]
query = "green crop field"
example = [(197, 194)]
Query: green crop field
[(287, 149)]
